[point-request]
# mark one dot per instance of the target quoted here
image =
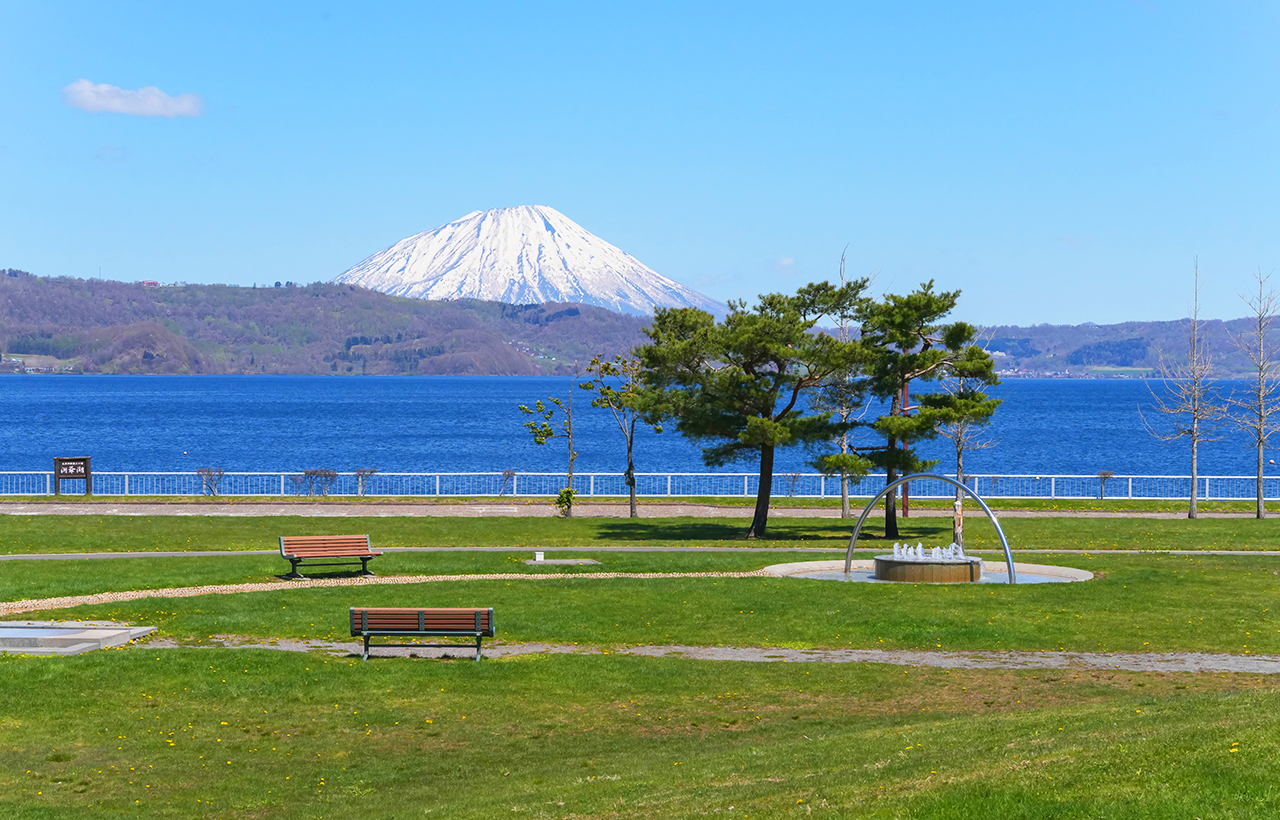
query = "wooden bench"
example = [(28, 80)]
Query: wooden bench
[(315, 549), (462, 622)]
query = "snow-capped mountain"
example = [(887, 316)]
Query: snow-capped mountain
[(524, 255)]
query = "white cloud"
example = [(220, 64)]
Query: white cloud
[(145, 102), (786, 266)]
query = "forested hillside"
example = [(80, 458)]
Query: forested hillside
[(1132, 347), (99, 326)]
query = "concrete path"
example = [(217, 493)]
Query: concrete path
[(535, 508), (862, 548)]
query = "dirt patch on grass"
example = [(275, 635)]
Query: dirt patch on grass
[(1098, 666)]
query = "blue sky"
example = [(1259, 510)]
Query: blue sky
[(1058, 162)]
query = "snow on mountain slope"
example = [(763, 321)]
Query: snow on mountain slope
[(524, 255)]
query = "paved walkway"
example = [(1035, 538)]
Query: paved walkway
[(536, 508)]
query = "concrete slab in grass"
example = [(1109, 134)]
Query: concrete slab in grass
[(65, 637)]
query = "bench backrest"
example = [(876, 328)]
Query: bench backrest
[(466, 620), (324, 546)]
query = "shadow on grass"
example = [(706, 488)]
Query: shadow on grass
[(732, 532)]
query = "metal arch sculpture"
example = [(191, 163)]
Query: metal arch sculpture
[(853, 540)]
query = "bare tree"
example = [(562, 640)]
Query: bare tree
[(1257, 413), (965, 419), (313, 482), (1188, 401), (319, 482), (210, 478), (362, 478), (844, 396), (1103, 475)]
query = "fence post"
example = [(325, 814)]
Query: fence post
[(668, 483), (591, 484), (745, 493), (1053, 487), (515, 484), (437, 484), (126, 483), (1131, 486), (282, 484)]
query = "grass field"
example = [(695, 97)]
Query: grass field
[(105, 533), (210, 732)]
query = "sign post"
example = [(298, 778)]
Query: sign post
[(72, 468)]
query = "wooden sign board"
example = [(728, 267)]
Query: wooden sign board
[(72, 469)]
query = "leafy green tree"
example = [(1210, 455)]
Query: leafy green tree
[(555, 420), (906, 341), (617, 387), (738, 383)]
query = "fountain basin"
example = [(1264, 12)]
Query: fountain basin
[(863, 571), (962, 570)]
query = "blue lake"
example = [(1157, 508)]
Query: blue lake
[(470, 424)]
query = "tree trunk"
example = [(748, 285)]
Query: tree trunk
[(761, 518), (1262, 504), (844, 491), (957, 526), (631, 475), (568, 510), (1195, 479), (891, 475), (890, 502)]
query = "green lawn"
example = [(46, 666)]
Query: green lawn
[(236, 733), (94, 533), (262, 734), (1138, 604)]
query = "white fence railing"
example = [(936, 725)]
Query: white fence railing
[(510, 483)]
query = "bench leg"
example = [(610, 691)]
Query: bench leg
[(477, 649), (366, 647), (294, 575), (364, 566)]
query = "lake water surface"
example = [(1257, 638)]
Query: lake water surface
[(471, 424)]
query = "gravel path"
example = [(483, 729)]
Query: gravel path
[(1126, 662), (41, 604)]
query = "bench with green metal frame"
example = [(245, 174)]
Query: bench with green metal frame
[(314, 549), (454, 622)]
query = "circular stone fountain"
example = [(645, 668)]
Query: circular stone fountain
[(939, 565), (863, 571), (948, 565)]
